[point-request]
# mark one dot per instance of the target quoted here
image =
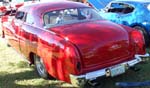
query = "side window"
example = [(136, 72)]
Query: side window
[(116, 5), (127, 9), (120, 8), (116, 8), (29, 19), (20, 15), (50, 17)]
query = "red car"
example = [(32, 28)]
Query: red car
[(71, 42)]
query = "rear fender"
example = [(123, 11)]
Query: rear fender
[(51, 49)]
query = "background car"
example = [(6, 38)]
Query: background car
[(71, 42), (133, 13)]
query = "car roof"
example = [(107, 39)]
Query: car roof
[(50, 6), (133, 1), (40, 8)]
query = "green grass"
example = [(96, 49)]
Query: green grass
[(15, 73)]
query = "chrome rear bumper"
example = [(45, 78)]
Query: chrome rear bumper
[(81, 79)]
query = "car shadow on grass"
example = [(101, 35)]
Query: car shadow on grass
[(26, 79), (29, 79)]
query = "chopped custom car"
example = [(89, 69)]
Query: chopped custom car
[(133, 13), (71, 42)]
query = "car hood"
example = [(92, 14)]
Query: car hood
[(101, 43)]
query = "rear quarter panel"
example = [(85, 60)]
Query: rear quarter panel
[(51, 48)]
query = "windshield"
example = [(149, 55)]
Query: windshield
[(69, 16)]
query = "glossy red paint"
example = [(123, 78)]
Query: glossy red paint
[(76, 48), (95, 46)]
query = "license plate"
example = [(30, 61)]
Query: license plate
[(117, 70)]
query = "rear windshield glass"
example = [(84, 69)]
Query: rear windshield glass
[(69, 16)]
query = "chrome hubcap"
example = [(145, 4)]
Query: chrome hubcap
[(40, 66)]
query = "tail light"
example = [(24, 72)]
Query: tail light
[(72, 55), (139, 42)]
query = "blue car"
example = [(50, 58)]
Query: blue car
[(133, 13)]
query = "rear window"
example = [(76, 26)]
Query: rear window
[(69, 16)]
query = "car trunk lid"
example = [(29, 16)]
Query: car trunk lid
[(100, 43)]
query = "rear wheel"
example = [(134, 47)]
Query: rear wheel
[(40, 67), (145, 34)]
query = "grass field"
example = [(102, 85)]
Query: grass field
[(15, 73)]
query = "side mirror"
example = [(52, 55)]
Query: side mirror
[(19, 15)]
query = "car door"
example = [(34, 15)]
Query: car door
[(28, 38), (16, 26)]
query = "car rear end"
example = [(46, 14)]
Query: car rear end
[(110, 59), (94, 48)]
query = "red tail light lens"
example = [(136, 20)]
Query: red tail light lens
[(139, 42), (73, 57)]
